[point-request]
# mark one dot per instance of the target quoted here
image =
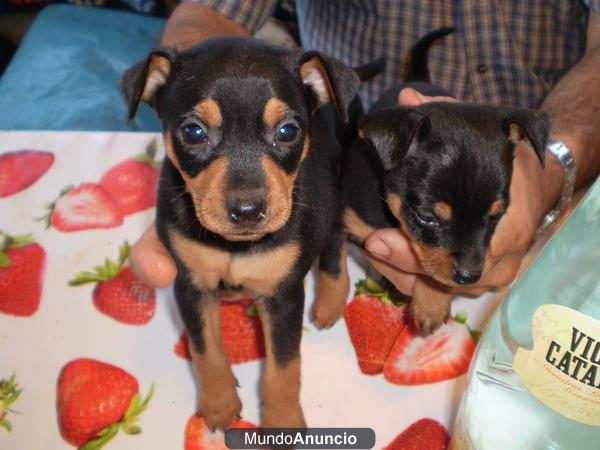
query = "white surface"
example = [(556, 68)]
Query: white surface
[(67, 326)]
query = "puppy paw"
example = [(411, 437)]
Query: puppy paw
[(325, 314), (282, 417), (330, 304), (220, 409), (428, 317)]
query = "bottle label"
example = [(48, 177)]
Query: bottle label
[(563, 368)]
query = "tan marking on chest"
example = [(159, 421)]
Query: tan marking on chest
[(260, 273), (356, 226), (209, 112)]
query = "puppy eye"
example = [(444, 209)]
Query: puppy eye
[(287, 134), (194, 134), (427, 220)]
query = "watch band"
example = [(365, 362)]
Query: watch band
[(565, 157)]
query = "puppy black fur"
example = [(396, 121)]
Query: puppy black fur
[(248, 198), (442, 172)]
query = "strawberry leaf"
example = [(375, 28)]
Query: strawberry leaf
[(6, 425), (66, 189), (151, 149), (136, 407), (372, 288), (148, 397), (105, 272), (149, 156), (9, 392), (461, 317), (21, 240), (104, 437), (133, 430), (4, 260), (123, 254), (252, 310), (133, 408), (8, 242), (85, 278), (476, 335)]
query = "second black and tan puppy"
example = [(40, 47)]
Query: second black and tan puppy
[(248, 201), (442, 172)]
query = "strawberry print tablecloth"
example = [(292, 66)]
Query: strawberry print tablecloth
[(79, 355)]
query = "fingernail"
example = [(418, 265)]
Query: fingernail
[(379, 248)]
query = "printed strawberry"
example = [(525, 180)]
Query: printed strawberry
[(417, 359), (374, 320), (95, 400), (119, 293), (241, 331), (182, 347), (22, 264), (199, 437), (9, 393), (425, 434), (134, 182), (86, 207), (20, 169)]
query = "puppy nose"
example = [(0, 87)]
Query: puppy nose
[(246, 211), (466, 277)]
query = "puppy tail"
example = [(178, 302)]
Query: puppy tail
[(417, 68), (370, 69)]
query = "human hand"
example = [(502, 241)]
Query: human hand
[(391, 253), (150, 260)]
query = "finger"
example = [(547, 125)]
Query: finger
[(150, 260), (404, 282), (411, 97), (503, 273), (393, 247)]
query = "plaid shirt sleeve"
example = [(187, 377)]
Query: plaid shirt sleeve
[(594, 5), (250, 14)]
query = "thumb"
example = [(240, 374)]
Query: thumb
[(150, 260), (393, 247)]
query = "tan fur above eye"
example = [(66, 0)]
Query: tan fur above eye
[(275, 111), (209, 112), (443, 210)]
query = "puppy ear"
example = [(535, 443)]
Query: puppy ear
[(330, 80), (530, 126), (142, 81), (393, 132)]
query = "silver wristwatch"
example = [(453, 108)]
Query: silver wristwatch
[(565, 157)]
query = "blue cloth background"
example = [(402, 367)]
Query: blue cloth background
[(65, 75)]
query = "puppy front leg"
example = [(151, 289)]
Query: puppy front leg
[(334, 283), (280, 384), (430, 305), (219, 402)]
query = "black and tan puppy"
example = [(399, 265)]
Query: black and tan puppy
[(248, 200), (442, 172)]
